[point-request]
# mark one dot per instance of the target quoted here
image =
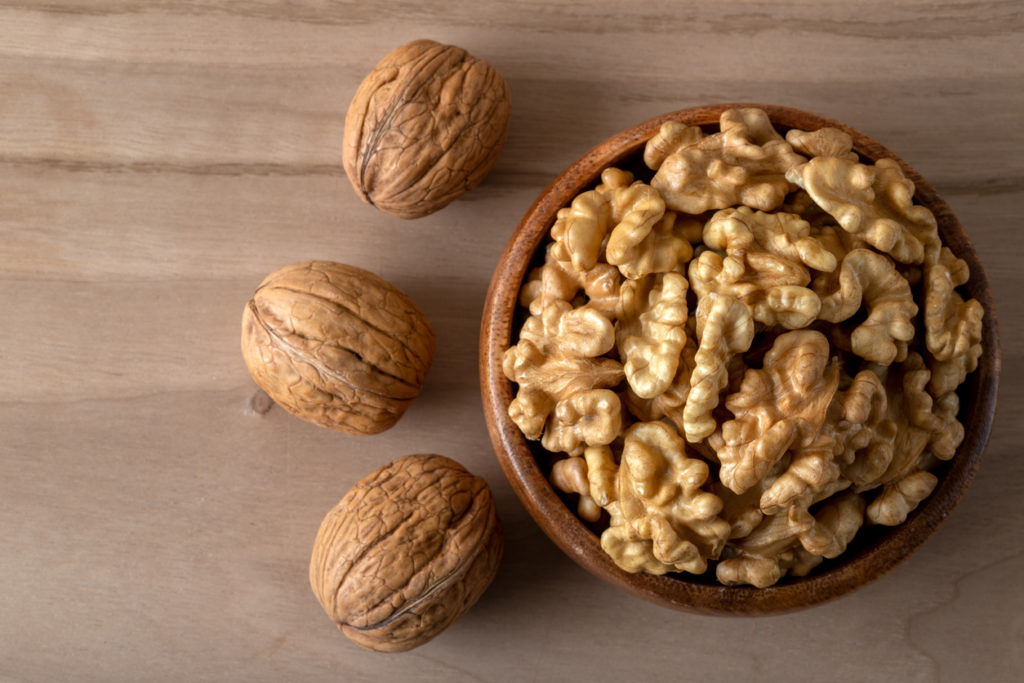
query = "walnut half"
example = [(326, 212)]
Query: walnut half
[(406, 552)]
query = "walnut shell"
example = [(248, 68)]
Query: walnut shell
[(406, 552), (336, 345), (424, 127)]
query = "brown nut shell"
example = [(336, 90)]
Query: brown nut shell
[(424, 127), (336, 345), (406, 552)]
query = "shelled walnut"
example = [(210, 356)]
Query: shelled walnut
[(336, 345), (424, 127), (406, 552), (791, 377)]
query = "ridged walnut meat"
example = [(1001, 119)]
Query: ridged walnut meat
[(835, 410), (406, 552), (424, 127), (336, 345)]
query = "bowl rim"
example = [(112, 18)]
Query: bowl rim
[(562, 525)]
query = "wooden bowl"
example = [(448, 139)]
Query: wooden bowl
[(875, 551)]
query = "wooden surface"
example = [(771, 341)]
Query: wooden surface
[(157, 159)]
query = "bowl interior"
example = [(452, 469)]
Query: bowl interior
[(526, 464)]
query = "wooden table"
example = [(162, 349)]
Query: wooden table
[(157, 159)]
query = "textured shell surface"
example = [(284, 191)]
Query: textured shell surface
[(424, 127), (336, 345), (406, 552)]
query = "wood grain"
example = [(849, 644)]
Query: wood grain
[(157, 159)]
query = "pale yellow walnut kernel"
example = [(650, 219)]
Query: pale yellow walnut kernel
[(724, 328), (870, 279), (570, 475), (859, 422), (560, 281), (766, 262), (741, 230), (587, 418), (651, 346), (602, 472), (635, 211), (824, 142), (836, 522), (952, 325), (765, 555), (874, 203), (670, 138), (581, 230), (671, 402), (793, 542), (812, 470), (558, 356), (662, 519), (918, 425), (778, 408), (745, 163), (900, 498)]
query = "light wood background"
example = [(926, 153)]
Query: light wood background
[(158, 158)]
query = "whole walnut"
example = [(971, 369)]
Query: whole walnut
[(336, 345), (424, 127), (406, 552)]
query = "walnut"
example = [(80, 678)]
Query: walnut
[(824, 142), (559, 280), (745, 163), (570, 475), (924, 428), (869, 278), (582, 229), (741, 510), (336, 345), (742, 230), (793, 542), (837, 242), (670, 138), (621, 223), (661, 520), (766, 554), (635, 211), (406, 552), (556, 358), (858, 421), (645, 239), (587, 418), (724, 328), (671, 402), (779, 408), (836, 522), (602, 471), (953, 326), (652, 331), (765, 265), (898, 499), (812, 470), (874, 203), (424, 127)]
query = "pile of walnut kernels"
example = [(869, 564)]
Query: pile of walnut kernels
[(749, 358)]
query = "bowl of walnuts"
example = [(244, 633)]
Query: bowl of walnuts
[(739, 359)]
